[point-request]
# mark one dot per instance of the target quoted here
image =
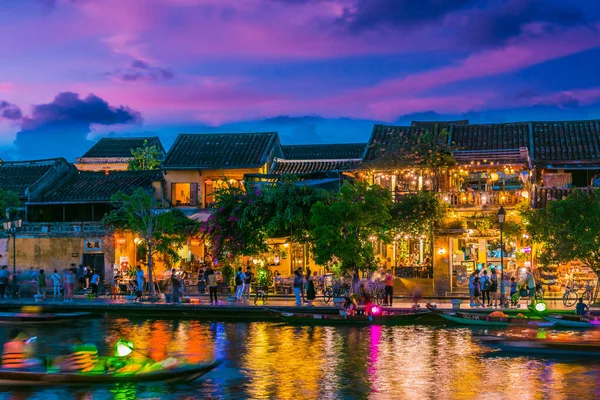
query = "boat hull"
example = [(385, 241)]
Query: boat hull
[(336, 319), (476, 319), (187, 373), (573, 321), (544, 347), (39, 318)]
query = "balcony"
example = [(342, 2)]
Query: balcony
[(476, 199), (541, 196), (62, 228)]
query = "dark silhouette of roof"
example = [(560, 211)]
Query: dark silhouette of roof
[(121, 147), (344, 151), (17, 176), (294, 167)]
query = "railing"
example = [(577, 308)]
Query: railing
[(541, 196), (477, 199), (46, 228)]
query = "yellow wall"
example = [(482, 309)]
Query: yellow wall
[(101, 166)]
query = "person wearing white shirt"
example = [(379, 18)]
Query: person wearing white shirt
[(94, 283), (56, 278)]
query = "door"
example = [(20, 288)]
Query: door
[(96, 263)]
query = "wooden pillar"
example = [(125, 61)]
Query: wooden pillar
[(441, 266)]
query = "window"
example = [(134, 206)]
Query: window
[(212, 185), (184, 194)]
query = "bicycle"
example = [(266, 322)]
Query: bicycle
[(331, 292), (261, 294), (572, 295)]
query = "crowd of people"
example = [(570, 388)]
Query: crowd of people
[(484, 289)]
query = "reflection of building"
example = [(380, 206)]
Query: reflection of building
[(114, 154)]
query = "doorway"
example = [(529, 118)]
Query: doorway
[(96, 263)]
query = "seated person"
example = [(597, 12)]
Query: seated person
[(348, 307), (17, 351), (581, 308), (83, 357)]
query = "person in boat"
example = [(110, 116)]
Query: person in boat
[(348, 307), (83, 357), (581, 308), (16, 353)]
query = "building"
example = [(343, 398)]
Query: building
[(114, 154)]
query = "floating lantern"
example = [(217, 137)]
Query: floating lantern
[(123, 348), (540, 307)]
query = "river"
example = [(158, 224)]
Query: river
[(270, 360)]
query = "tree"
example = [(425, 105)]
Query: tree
[(145, 158), (9, 203), (345, 228), (568, 229), (417, 214), (162, 231)]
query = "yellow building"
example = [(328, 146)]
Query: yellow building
[(114, 154)]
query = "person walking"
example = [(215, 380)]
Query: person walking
[(4, 275), (388, 289), (212, 286), (485, 288), (94, 282), (247, 281), (310, 290), (41, 283), (239, 284), (139, 277), (55, 277), (298, 286), (494, 287), (175, 286)]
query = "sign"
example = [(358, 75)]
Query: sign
[(92, 245), (124, 262)]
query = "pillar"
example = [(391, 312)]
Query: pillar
[(441, 266)]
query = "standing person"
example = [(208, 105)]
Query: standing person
[(247, 281), (514, 287), (3, 281), (201, 281), (41, 283), (298, 286), (175, 286), (239, 284), (389, 289), (70, 277), (212, 286), (310, 290), (94, 283), (494, 286), (355, 281), (472, 288), (206, 274), (55, 277), (139, 277), (529, 283), (88, 276), (485, 288), (81, 276), (476, 291)]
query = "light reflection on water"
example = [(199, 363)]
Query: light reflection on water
[(266, 360)]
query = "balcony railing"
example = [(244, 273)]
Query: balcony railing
[(477, 199), (62, 228), (541, 196)]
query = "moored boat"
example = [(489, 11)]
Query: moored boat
[(388, 318), (492, 319), (544, 347), (39, 318), (574, 321), (184, 373)]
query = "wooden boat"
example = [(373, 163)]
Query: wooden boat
[(574, 321), (184, 373), (390, 318), (39, 318), (481, 319), (544, 347)]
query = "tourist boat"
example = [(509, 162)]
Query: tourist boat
[(38, 318), (574, 321), (481, 319), (184, 373), (389, 318), (543, 346)]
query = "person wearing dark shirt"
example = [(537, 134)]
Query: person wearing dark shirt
[(581, 308)]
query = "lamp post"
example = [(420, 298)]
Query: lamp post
[(501, 218), (11, 229)]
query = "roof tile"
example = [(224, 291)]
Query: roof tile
[(120, 147), (343, 151), (309, 166)]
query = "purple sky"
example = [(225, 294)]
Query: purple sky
[(314, 70)]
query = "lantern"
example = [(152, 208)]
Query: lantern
[(494, 176), (121, 241), (123, 348), (195, 242)]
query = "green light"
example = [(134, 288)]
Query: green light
[(123, 348), (540, 307)]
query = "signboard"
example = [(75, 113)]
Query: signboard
[(463, 271), (124, 262), (92, 245)]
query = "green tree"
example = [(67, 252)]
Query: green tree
[(417, 214), (145, 158), (568, 229), (345, 228), (162, 230), (9, 203)]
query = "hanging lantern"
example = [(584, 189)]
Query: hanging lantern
[(121, 241), (494, 176), (208, 181), (195, 242)]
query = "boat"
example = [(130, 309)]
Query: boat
[(481, 319), (386, 318), (543, 346), (39, 318), (184, 373), (574, 321)]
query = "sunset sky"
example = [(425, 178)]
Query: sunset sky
[(72, 71)]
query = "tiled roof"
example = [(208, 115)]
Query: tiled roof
[(344, 151), (282, 167), (384, 138), (17, 176), (429, 124), (490, 136), (221, 150), (120, 147), (566, 141), (87, 186)]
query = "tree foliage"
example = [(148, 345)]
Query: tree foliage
[(568, 229), (145, 158), (9, 203), (344, 229), (162, 231), (417, 214)]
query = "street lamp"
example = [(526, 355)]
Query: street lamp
[(501, 218), (11, 229)]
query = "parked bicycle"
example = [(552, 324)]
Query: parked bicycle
[(335, 291), (574, 293), (262, 294)]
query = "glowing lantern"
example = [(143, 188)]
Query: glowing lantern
[(123, 348), (195, 242), (121, 241), (494, 176), (375, 310), (525, 194), (540, 307)]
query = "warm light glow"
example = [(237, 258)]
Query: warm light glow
[(441, 250), (137, 240), (195, 242), (123, 348), (286, 245), (494, 176), (121, 241), (375, 310), (525, 194), (540, 307)]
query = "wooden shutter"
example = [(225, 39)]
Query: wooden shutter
[(193, 194)]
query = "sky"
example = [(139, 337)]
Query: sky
[(316, 71)]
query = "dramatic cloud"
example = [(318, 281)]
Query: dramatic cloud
[(61, 127), (141, 71), (10, 111)]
